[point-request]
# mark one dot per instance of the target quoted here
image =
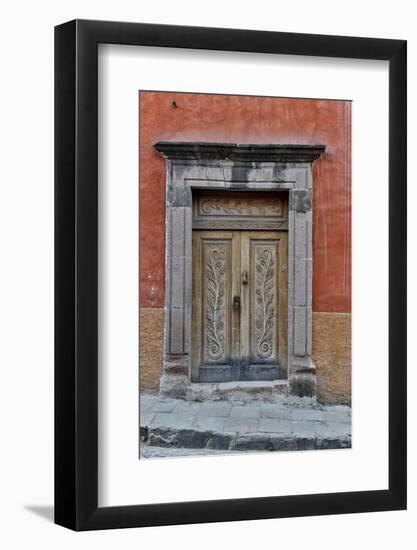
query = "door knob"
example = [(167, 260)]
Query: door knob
[(236, 303), (244, 277)]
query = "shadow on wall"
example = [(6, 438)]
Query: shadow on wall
[(45, 512)]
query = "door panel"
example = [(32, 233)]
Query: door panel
[(239, 305), (215, 324), (216, 295), (264, 305)]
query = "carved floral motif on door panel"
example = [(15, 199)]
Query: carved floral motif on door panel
[(264, 302), (215, 302)]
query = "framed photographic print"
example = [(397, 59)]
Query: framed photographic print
[(230, 275)]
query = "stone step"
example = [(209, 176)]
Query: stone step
[(235, 441), (228, 425), (237, 391)]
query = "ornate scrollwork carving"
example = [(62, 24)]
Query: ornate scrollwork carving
[(215, 294), (264, 301), (236, 223), (214, 206)]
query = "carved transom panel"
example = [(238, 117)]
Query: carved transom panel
[(240, 210)]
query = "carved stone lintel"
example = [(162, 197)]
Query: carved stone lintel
[(201, 151)]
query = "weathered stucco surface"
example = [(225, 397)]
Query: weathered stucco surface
[(331, 353), (262, 120), (332, 356), (151, 348)]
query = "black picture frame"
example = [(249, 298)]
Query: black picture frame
[(76, 272)]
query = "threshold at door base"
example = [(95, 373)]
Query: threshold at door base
[(243, 391)]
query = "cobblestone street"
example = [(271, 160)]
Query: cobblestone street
[(290, 424)]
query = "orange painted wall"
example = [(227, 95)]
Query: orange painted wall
[(244, 119)]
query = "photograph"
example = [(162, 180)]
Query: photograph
[(245, 274), (205, 258)]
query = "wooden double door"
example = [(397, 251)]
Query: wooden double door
[(239, 309)]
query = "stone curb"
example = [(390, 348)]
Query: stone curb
[(196, 439)]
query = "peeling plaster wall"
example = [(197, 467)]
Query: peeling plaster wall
[(332, 356), (242, 119)]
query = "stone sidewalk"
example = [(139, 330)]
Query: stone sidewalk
[(286, 425)]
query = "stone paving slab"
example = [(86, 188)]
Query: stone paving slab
[(241, 424), (164, 452), (215, 408), (242, 411), (209, 423), (274, 425), (172, 420), (229, 426)]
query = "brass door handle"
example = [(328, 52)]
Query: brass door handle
[(236, 303), (244, 277)]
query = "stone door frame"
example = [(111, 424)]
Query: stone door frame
[(220, 166)]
